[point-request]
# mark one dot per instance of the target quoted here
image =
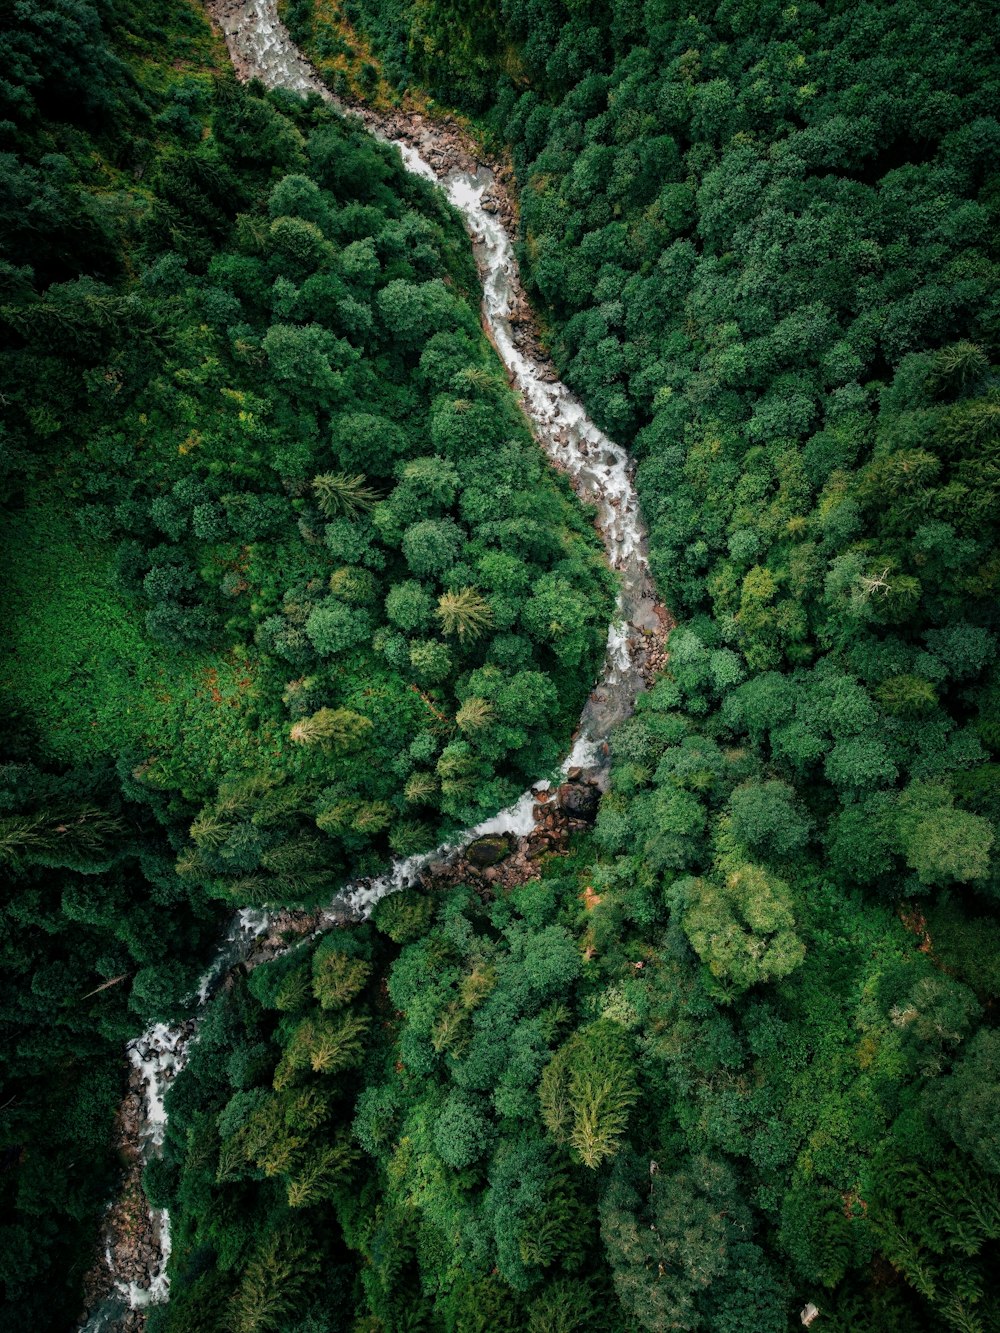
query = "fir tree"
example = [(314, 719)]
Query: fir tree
[(465, 614), (342, 495)]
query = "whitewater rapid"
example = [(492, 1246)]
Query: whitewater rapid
[(599, 471)]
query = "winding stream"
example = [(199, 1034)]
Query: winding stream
[(598, 469)]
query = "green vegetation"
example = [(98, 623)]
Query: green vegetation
[(763, 242), (276, 536), (736, 1050)]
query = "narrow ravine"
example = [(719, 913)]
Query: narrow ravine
[(599, 471)]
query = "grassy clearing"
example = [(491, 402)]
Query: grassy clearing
[(80, 666)]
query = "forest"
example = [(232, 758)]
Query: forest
[(290, 589)]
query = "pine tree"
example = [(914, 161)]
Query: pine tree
[(324, 1045), (449, 1032), (293, 992), (960, 366), (421, 787), (338, 978), (273, 1283), (465, 613), (588, 1090), (267, 1140), (323, 1174), (563, 1307), (338, 1045), (474, 714), (339, 728), (478, 377), (340, 495), (63, 840), (210, 829), (304, 1109), (602, 1112), (233, 1159)]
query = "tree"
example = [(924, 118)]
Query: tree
[(431, 661), (409, 606), (421, 788), (340, 728), (940, 842), (324, 1045), (461, 1132), (669, 1244), (588, 1090), (299, 196), (307, 358), (431, 546), (367, 443), (964, 1102), (322, 1176), (566, 1306), (412, 312), (821, 1239), (964, 649), (337, 977), (742, 929), (466, 614), (474, 715), (766, 819), (333, 627), (273, 1282), (555, 614), (340, 493), (404, 916)]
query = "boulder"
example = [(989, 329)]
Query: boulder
[(579, 799), (488, 851)]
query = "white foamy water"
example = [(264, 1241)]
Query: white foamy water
[(600, 473)]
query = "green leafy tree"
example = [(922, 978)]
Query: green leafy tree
[(743, 928), (333, 627), (766, 819), (432, 546), (941, 842), (962, 1101)]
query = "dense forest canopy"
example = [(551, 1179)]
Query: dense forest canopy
[(764, 240), (736, 1050)]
